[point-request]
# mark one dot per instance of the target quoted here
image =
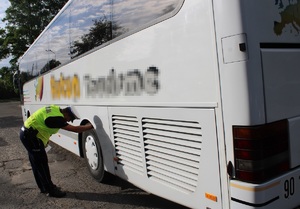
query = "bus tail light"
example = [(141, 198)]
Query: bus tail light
[(261, 152)]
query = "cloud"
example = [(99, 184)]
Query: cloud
[(3, 6)]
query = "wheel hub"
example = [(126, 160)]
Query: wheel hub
[(91, 152)]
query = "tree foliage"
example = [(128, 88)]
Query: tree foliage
[(6, 85), (24, 21), (99, 34)]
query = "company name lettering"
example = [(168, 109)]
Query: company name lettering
[(65, 87), (133, 83)]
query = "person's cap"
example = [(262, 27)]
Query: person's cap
[(71, 112)]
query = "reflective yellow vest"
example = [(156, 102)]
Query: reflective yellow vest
[(37, 121)]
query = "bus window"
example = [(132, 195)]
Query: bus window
[(42, 64), (36, 60), (90, 25), (59, 40), (133, 14)]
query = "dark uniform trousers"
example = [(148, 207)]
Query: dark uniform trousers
[(38, 158)]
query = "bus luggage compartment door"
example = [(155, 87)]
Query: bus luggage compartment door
[(170, 152)]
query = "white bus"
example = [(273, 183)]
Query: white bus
[(196, 101)]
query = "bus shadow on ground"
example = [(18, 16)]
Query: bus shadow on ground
[(131, 196)]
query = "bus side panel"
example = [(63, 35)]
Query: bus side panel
[(169, 152)]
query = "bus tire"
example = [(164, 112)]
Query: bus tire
[(93, 156)]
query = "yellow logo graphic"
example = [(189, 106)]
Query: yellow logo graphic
[(65, 87), (39, 87)]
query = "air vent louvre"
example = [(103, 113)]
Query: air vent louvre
[(127, 142), (173, 151)]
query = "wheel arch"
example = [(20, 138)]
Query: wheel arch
[(83, 122)]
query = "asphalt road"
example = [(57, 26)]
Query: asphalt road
[(18, 188)]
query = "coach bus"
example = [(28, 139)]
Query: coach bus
[(195, 101)]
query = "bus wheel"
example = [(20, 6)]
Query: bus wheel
[(93, 156)]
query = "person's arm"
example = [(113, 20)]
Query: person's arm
[(78, 129)]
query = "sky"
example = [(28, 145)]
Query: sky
[(4, 4)]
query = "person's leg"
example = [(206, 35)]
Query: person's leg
[(39, 162), (36, 175), (33, 149)]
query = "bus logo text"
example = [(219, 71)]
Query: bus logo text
[(133, 83), (65, 87)]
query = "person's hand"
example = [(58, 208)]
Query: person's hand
[(78, 129), (89, 126)]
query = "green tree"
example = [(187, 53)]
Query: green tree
[(6, 85), (100, 33), (25, 20), (50, 65)]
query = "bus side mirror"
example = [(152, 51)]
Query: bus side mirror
[(16, 80)]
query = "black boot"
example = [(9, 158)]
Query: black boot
[(45, 191), (56, 192)]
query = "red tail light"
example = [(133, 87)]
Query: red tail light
[(261, 152)]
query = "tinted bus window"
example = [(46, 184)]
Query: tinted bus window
[(129, 15), (90, 25), (84, 25), (59, 40)]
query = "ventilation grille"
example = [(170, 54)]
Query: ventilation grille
[(127, 142), (173, 150)]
